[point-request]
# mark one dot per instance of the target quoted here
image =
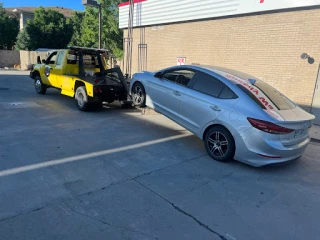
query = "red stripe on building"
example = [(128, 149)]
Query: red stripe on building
[(127, 3)]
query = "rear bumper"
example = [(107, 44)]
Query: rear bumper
[(252, 148)]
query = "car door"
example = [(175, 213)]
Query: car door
[(49, 77), (205, 101), (58, 71), (166, 92)]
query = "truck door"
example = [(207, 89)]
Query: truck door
[(53, 69)]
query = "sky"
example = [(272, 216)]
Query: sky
[(73, 4)]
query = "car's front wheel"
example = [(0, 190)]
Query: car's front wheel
[(39, 86), (219, 144), (82, 98), (138, 95)]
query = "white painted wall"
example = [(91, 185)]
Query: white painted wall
[(153, 12)]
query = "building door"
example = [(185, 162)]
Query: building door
[(316, 100)]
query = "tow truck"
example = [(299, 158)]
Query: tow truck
[(83, 74)]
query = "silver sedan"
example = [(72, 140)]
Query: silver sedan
[(236, 115)]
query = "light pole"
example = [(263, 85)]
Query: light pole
[(94, 3)]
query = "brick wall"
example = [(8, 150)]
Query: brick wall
[(9, 58), (267, 46)]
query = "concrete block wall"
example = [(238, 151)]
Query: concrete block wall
[(9, 58), (30, 57), (267, 46)]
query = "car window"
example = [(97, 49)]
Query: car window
[(207, 84), (52, 58), (181, 77), (60, 58), (251, 95), (276, 98), (227, 93)]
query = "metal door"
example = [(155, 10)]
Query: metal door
[(166, 97), (316, 100)]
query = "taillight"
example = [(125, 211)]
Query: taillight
[(268, 126), (96, 81)]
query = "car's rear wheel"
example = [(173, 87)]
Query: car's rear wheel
[(82, 98), (219, 144), (39, 86), (138, 95)]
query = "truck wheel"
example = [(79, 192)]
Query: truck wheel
[(82, 98), (39, 86)]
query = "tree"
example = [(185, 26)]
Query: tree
[(76, 22), (9, 28), (48, 29), (23, 41), (111, 37)]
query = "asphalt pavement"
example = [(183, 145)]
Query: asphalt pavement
[(118, 174)]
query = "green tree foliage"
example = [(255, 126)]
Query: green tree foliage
[(76, 21), (48, 29), (9, 28), (111, 37)]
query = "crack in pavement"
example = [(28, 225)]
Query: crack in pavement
[(109, 224), (103, 188), (24, 213), (185, 213), (157, 170)]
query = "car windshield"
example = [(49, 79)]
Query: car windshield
[(276, 98)]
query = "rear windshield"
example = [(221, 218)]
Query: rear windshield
[(277, 99)]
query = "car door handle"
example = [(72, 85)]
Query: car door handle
[(177, 93), (215, 108)]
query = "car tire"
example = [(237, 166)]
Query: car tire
[(82, 98), (219, 144), (138, 95), (39, 86)]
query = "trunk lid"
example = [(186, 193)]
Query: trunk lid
[(281, 109)]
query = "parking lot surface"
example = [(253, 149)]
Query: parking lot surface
[(118, 174)]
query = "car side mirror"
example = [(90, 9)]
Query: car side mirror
[(38, 60), (44, 61), (158, 75)]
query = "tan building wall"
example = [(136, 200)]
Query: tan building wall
[(22, 58), (268, 46), (9, 58)]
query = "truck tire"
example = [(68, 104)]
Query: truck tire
[(82, 98), (39, 86)]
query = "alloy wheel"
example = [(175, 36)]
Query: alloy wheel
[(218, 144), (138, 94)]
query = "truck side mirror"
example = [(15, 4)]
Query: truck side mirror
[(44, 61), (38, 60)]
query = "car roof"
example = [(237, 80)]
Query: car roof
[(218, 70), (88, 50)]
